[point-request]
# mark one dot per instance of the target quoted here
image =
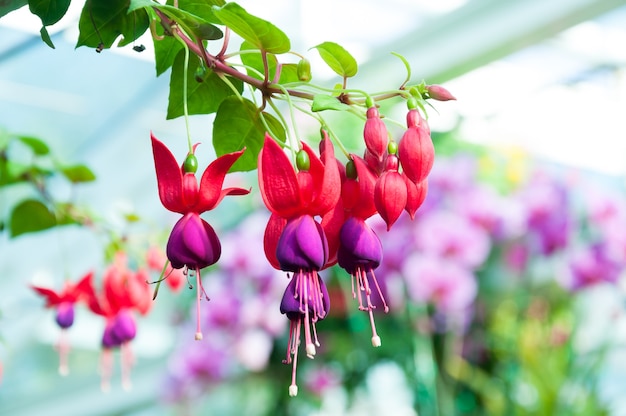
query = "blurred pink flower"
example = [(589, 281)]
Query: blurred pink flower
[(449, 286), (451, 236)]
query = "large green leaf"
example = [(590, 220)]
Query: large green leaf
[(202, 97), (30, 216), (260, 33), (165, 51), (184, 16), (7, 6), (238, 124), (103, 21), (49, 11), (202, 8), (337, 58)]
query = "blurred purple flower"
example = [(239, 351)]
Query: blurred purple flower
[(549, 216), (451, 236), (591, 265), (449, 286)]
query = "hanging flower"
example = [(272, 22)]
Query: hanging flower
[(294, 241), (193, 244), (123, 292), (63, 301)]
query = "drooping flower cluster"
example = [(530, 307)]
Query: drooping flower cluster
[(319, 212), (123, 292)]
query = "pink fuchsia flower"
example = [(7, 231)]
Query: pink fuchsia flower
[(390, 192), (63, 302), (193, 244), (293, 240), (123, 292), (375, 135), (450, 287)]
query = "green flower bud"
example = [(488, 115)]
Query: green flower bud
[(191, 164), (302, 161), (200, 73), (351, 172), (304, 70)]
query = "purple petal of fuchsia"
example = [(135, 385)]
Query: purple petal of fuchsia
[(65, 315), (359, 246), (302, 245), (193, 243)]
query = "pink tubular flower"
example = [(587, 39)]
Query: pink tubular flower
[(294, 241), (193, 244), (64, 301), (123, 291), (439, 93)]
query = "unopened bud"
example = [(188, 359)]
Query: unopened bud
[(439, 93), (302, 161), (191, 164), (200, 73), (304, 70)]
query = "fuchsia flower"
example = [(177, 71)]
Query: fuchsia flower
[(64, 301), (123, 291), (294, 241), (193, 244)]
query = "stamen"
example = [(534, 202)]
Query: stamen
[(127, 363), (310, 347), (106, 369), (380, 293), (64, 349), (375, 338), (290, 344), (293, 388), (199, 291)]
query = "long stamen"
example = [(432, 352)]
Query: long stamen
[(106, 369), (293, 388), (127, 360), (199, 291), (310, 347), (380, 293), (64, 350), (375, 338)]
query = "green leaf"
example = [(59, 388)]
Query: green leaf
[(45, 36), (78, 173), (289, 73), (260, 33), (238, 124), (337, 58), (103, 21), (202, 97), (38, 146), (327, 102), (49, 11), (202, 8), (7, 6), (165, 51), (30, 216)]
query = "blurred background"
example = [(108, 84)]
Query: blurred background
[(506, 291)]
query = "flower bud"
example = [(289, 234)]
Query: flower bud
[(416, 194), (416, 153), (375, 133), (65, 315), (390, 196), (439, 93), (304, 70)]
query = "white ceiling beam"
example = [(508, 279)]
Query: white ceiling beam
[(478, 33)]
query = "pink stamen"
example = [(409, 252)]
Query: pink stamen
[(64, 349), (106, 369), (293, 388), (380, 293), (199, 291), (127, 359)]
